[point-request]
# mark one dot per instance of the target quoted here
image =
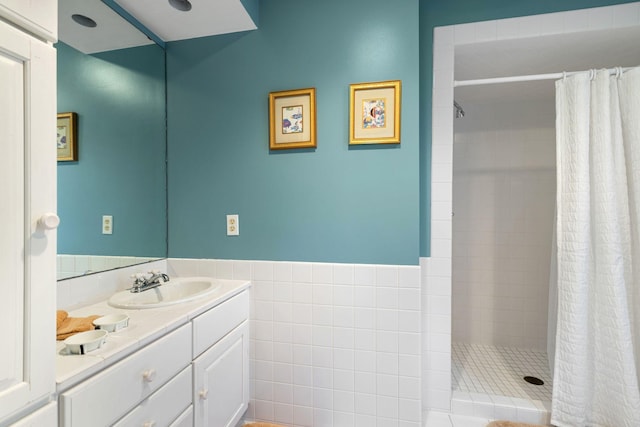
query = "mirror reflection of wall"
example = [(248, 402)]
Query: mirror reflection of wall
[(119, 97)]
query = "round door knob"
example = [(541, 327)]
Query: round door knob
[(49, 221), (149, 424), (204, 394), (149, 375)]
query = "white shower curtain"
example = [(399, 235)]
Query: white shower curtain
[(598, 235)]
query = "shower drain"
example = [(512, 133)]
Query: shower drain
[(533, 380)]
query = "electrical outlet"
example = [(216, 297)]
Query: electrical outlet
[(107, 224), (233, 225)]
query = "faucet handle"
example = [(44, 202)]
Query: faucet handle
[(138, 278)]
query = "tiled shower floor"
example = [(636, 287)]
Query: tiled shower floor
[(499, 371)]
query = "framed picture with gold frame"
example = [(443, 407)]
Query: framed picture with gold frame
[(67, 137), (374, 113), (292, 119)]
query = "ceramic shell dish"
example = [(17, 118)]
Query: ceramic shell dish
[(112, 322), (85, 342)]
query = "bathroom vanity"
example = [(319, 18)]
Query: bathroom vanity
[(185, 364)]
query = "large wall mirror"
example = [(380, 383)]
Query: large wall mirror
[(113, 77)]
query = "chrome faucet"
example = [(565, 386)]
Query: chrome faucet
[(143, 282)]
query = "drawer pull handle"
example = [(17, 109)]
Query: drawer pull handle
[(149, 424), (204, 394), (149, 375)]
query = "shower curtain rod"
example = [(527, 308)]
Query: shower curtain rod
[(529, 78)]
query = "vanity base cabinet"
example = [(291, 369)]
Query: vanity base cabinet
[(167, 383), (221, 380), (106, 397)]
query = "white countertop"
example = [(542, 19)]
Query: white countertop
[(145, 326)]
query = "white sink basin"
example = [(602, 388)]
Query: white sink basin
[(175, 291)]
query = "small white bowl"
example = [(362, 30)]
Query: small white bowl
[(112, 322), (84, 342)]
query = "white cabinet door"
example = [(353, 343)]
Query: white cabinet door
[(44, 417), (39, 17), (221, 380), (27, 191)]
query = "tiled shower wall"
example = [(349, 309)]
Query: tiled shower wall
[(331, 344), (503, 203)]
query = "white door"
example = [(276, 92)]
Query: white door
[(36, 16), (221, 380), (27, 191)]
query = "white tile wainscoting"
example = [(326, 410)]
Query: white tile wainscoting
[(331, 344)]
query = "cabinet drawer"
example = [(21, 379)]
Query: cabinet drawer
[(113, 392), (185, 419), (209, 327), (163, 406)]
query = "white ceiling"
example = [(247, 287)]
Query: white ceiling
[(549, 54), (112, 32), (206, 18)]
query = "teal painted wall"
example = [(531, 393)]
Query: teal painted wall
[(450, 12), (331, 204), (253, 9), (120, 100)]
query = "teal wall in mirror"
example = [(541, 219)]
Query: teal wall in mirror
[(119, 97)]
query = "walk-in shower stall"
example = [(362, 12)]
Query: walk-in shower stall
[(504, 268), (493, 205), (504, 186)]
